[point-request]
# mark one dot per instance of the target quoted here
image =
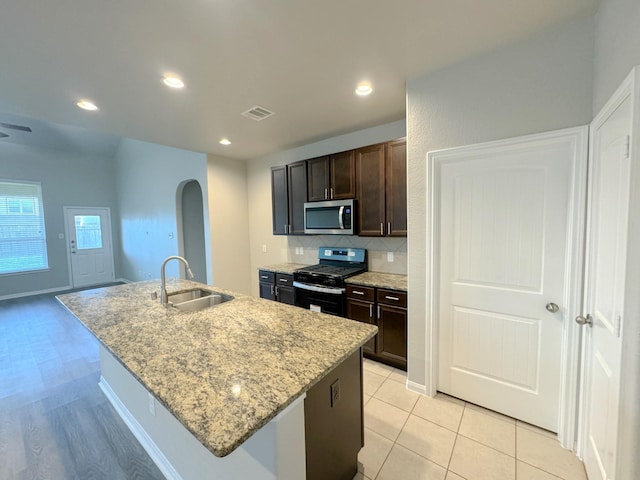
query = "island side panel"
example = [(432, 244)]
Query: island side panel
[(334, 422), (275, 452)]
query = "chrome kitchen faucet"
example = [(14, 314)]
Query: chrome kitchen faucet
[(163, 284)]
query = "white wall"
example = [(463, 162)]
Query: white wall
[(617, 50), (148, 179), (68, 179), (229, 224), (281, 248), (541, 84), (617, 46)]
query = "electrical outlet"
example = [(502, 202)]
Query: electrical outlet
[(152, 405), (264, 248), (389, 256), (335, 392), (301, 250)]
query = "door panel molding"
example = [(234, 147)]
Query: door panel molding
[(576, 139)]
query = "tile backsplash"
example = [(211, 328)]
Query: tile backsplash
[(378, 250)]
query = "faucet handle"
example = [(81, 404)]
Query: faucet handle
[(154, 295)]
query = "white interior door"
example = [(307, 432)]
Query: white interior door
[(606, 268), (90, 245), (505, 215)]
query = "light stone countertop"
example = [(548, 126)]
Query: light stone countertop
[(225, 371), (287, 268), (381, 280)]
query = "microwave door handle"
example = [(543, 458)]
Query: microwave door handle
[(341, 217)]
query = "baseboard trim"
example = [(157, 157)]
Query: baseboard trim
[(416, 387), (145, 440), (36, 292)]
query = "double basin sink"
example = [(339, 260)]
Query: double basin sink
[(196, 299)]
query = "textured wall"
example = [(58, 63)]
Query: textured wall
[(541, 84), (68, 180)]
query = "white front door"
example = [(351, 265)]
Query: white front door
[(90, 245), (605, 285), (505, 218)]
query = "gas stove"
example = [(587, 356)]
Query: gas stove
[(336, 264)]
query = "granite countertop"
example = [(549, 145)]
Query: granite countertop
[(383, 280), (288, 268), (225, 371)]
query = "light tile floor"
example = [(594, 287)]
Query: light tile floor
[(412, 437)]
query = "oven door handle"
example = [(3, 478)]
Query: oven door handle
[(315, 288)]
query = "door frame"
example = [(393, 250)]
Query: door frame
[(627, 462), (67, 233), (572, 298)]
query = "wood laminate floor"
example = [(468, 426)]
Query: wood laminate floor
[(55, 423)]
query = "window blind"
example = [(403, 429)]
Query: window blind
[(23, 245)]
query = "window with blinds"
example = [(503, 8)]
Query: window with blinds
[(23, 245)]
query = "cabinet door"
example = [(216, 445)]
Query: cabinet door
[(370, 187), (396, 188), (392, 336), (343, 175), (279, 200), (318, 179), (267, 291), (363, 312), (286, 295), (297, 188)]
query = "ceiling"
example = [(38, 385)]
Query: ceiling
[(300, 59)]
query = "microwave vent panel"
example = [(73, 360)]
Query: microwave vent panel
[(258, 113)]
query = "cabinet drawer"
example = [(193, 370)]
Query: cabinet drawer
[(362, 293), (392, 297), (266, 277), (284, 280)]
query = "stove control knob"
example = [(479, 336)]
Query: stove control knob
[(331, 282)]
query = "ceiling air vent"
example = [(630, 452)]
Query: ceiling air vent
[(257, 113)]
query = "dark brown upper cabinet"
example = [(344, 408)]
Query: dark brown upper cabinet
[(288, 195), (332, 177), (381, 182)]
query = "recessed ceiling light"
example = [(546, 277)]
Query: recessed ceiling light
[(87, 105), (364, 89), (173, 81), (225, 141)]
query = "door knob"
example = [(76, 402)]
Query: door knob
[(580, 320), (552, 307)]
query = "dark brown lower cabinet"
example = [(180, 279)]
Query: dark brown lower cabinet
[(276, 286), (392, 336), (386, 309), (334, 422), (363, 312)]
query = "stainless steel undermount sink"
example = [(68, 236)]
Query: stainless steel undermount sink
[(196, 299)]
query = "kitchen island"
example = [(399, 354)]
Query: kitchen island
[(233, 377)]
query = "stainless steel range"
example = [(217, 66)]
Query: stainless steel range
[(322, 287)]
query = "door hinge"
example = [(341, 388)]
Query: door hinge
[(617, 325), (627, 146)]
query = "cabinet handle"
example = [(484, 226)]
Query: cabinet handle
[(285, 228), (276, 290), (264, 276), (357, 292), (392, 298), (388, 228), (378, 311), (381, 228), (326, 194), (371, 311), (272, 290), (286, 281), (331, 193)]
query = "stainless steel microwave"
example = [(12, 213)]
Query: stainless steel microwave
[(334, 217)]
